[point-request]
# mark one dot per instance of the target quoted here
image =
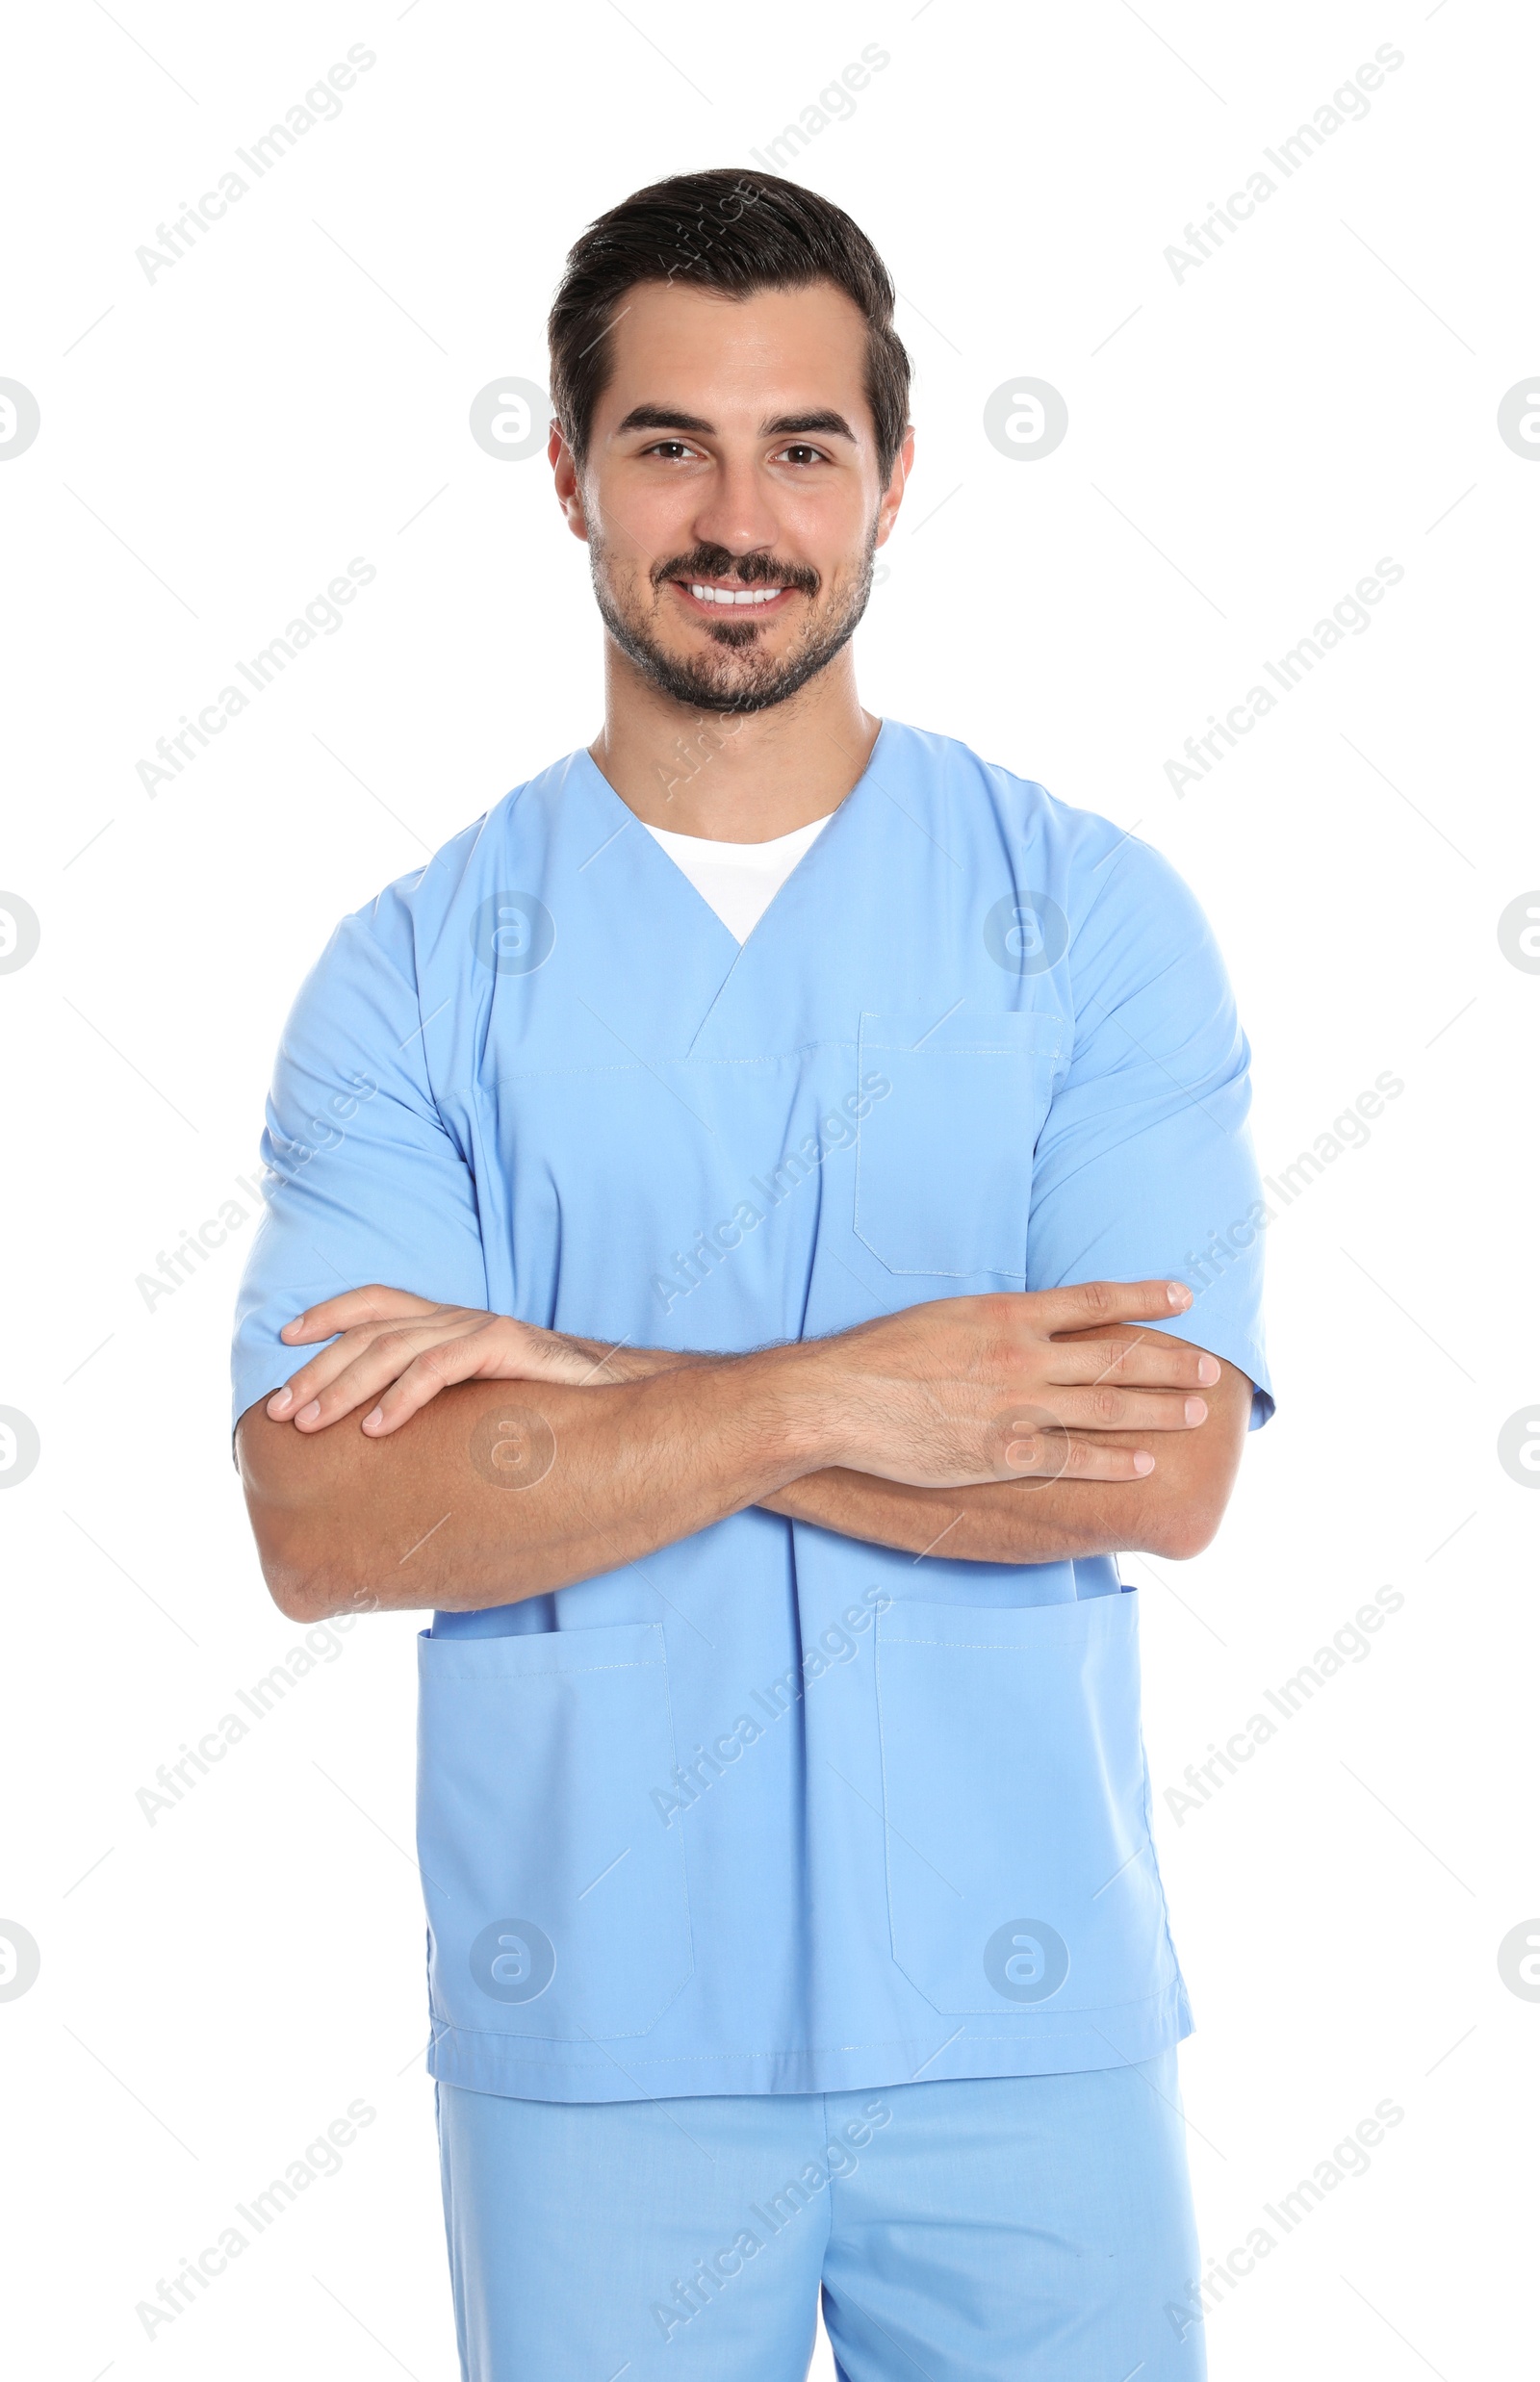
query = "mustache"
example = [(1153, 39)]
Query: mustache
[(714, 562)]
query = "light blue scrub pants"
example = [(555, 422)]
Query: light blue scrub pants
[(1022, 2226)]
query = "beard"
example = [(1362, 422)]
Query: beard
[(732, 674)]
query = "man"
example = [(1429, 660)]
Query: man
[(739, 1194)]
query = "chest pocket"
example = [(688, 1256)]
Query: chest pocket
[(944, 1160)]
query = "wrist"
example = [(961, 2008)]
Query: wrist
[(645, 1364), (802, 1414)]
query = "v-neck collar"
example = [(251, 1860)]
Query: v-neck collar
[(586, 765)]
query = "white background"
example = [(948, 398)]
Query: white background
[(1245, 443)]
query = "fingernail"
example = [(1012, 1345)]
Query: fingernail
[(1208, 1369), (308, 1414), (1194, 1409), (281, 1402), (1144, 1461), (370, 1420), (1178, 1294)]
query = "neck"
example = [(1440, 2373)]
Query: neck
[(738, 777)]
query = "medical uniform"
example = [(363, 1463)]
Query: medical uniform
[(774, 1811)]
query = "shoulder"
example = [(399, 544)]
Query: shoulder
[(1101, 875), (417, 924)]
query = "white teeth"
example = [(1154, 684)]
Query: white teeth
[(734, 595)]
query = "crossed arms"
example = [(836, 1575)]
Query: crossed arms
[(1010, 1428)]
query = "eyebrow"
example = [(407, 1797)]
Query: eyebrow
[(826, 423)]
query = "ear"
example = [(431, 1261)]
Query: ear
[(568, 483), (893, 493)]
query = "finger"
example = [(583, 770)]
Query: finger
[(453, 1360), (373, 1304), (1082, 1303), (1104, 1407), (1059, 1455), (1152, 1359), (373, 1365), (332, 1361)]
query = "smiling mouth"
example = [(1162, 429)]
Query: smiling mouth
[(704, 593), (731, 599)]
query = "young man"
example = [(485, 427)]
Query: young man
[(790, 1191)]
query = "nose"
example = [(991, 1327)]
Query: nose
[(735, 511)]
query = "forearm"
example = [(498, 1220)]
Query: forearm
[(496, 1460), (999, 1521), (1174, 1511), (499, 1491), (996, 1522)]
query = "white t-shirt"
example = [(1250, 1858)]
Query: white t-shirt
[(739, 881)]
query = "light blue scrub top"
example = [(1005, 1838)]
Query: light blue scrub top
[(775, 1810)]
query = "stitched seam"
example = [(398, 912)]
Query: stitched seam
[(689, 1058), (955, 1050), (568, 1670), (993, 1646), (798, 2051)]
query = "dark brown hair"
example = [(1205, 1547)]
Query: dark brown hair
[(733, 233)]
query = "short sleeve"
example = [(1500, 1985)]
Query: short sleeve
[(1144, 1165), (363, 1181)]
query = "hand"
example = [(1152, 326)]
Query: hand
[(409, 1349), (1007, 1386)]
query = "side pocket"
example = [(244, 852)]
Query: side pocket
[(557, 1907), (944, 1160), (1020, 1871)]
